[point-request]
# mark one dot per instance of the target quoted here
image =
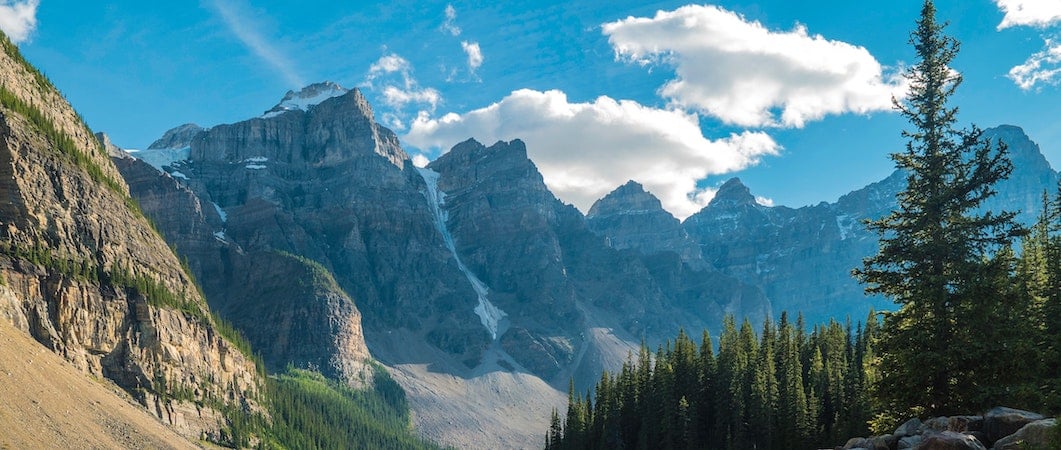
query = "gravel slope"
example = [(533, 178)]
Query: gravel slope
[(47, 403)]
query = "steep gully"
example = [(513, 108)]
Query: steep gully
[(492, 318)]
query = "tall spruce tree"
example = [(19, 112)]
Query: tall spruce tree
[(937, 239)]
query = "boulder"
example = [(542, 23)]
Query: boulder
[(885, 442), (857, 442), (936, 424), (1033, 435), (1000, 422), (963, 424), (909, 442), (949, 440), (909, 428)]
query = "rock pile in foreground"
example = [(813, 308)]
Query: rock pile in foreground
[(998, 429)]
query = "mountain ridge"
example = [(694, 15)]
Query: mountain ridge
[(470, 274)]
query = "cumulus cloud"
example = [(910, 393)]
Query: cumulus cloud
[(764, 201), (1035, 13), (391, 76), (745, 74), (450, 25), (585, 150), (419, 160), (475, 55), (18, 19), (1042, 67), (239, 20)]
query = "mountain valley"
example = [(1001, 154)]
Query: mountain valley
[(472, 282)]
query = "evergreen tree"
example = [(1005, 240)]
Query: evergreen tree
[(1039, 276), (753, 394), (936, 240)]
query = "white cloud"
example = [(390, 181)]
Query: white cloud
[(18, 19), (397, 97), (764, 201), (585, 150), (450, 25), (240, 22), (475, 55), (419, 160), (743, 73), (1042, 67), (388, 64), (1035, 13), (391, 76)]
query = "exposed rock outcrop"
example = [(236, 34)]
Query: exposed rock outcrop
[(85, 274)]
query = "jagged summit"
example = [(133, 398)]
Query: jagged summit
[(471, 149), (179, 137), (1024, 153), (510, 157), (732, 193), (308, 96), (630, 198)]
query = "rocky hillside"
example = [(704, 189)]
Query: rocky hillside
[(85, 274)]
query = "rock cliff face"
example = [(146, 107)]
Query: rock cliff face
[(324, 182), (545, 268), (85, 274), (472, 255)]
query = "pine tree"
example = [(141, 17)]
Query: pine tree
[(1050, 309), (792, 398), (555, 436), (936, 240), (1039, 279)]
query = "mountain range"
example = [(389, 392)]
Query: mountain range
[(310, 231), (310, 222)]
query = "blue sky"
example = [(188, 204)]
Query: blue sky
[(790, 96)]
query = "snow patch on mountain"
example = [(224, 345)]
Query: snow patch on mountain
[(489, 315), (309, 96), (220, 212), (160, 157)]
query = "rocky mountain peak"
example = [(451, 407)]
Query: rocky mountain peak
[(472, 150), (306, 97), (630, 198), (179, 137), (1022, 150), (731, 194), (503, 160), (337, 130), (112, 150)]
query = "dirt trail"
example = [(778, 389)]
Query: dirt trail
[(47, 403)]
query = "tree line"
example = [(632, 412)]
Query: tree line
[(782, 389)]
